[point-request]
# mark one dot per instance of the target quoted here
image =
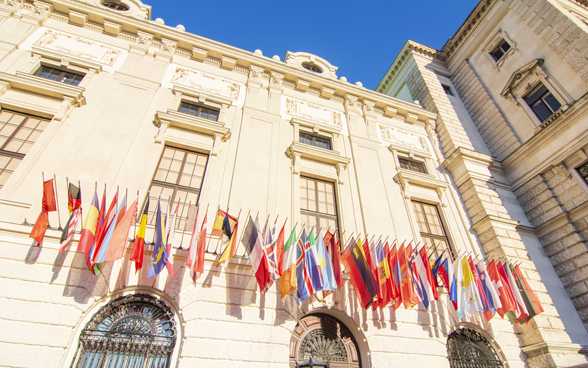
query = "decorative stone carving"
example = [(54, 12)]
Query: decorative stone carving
[(301, 59), (144, 39), (78, 47), (352, 103), (42, 9), (256, 73), (403, 137), (313, 112), (277, 79), (206, 82), (15, 4), (168, 46)]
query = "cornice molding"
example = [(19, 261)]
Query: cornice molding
[(43, 86)]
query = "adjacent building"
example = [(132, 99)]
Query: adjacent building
[(487, 158)]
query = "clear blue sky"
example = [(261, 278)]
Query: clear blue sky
[(362, 38)]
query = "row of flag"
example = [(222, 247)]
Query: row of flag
[(380, 274)]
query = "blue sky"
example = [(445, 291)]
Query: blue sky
[(362, 38)]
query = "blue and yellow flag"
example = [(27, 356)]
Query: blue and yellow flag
[(159, 243)]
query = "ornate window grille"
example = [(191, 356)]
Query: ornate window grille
[(466, 348), (132, 331)]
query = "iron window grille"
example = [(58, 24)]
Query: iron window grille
[(466, 348), (431, 229), (60, 76), (132, 331), (542, 102), (18, 133), (412, 165), (200, 111), (313, 140), (177, 181), (318, 208), (500, 50)]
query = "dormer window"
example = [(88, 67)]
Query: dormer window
[(313, 68), (115, 5), (412, 165), (542, 102), (316, 141), (200, 111), (499, 51), (58, 75)]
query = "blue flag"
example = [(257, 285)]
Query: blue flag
[(328, 276), (159, 244)]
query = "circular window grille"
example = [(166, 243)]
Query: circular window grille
[(115, 6), (138, 329), (313, 68), (323, 338), (467, 348)]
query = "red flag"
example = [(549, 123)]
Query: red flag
[(49, 205), (532, 296), (359, 273), (199, 261), (409, 297), (394, 277), (280, 251), (501, 287), (103, 224), (334, 250), (487, 312), (120, 237), (89, 230)]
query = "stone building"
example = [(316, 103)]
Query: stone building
[(96, 92)]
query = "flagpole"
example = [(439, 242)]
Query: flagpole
[(276, 221), (318, 234), (242, 235), (386, 239), (57, 201), (341, 236)]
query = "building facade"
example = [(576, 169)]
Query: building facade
[(96, 93)]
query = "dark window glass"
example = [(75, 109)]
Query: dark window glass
[(583, 170), (18, 133), (315, 141), (178, 178), (203, 112), (313, 68), (543, 103), (431, 229), (412, 165), (318, 208), (115, 6), (500, 50), (447, 89), (59, 75)]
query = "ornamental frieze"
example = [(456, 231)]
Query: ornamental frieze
[(313, 112), (403, 137), (206, 82)]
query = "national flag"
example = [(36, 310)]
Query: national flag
[(219, 227), (200, 249), (120, 237), (99, 225), (385, 294), (409, 298), (416, 281), (171, 231), (139, 243), (326, 268), (159, 245), (354, 261), (371, 248), (280, 251), (480, 289), (488, 289), (229, 230), (48, 205), (499, 280), (533, 305), (335, 252), (288, 276), (89, 230), (74, 203), (101, 257), (304, 284), (104, 222), (444, 269), (254, 246), (461, 291), (473, 303), (426, 274), (396, 277), (269, 243), (521, 310), (193, 245)]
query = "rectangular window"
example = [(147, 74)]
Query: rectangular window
[(318, 208), (500, 50), (447, 89), (178, 178), (543, 103), (431, 229), (59, 75), (313, 140), (412, 165), (200, 111), (18, 133), (583, 170)]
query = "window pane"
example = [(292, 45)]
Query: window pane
[(551, 102)]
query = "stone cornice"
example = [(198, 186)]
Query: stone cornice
[(201, 48), (192, 123), (562, 219), (491, 221), (464, 163), (42, 86), (553, 347), (530, 152)]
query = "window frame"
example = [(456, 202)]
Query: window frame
[(183, 213), (12, 154), (320, 215), (541, 99), (199, 110), (423, 234), (585, 177), (314, 138), (502, 50), (64, 73), (494, 43), (410, 162)]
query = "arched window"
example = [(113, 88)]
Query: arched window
[(132, 331), (324, 339), (467, 348)]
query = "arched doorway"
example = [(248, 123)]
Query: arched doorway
[(467, 348), (325, 338), (132, 331)]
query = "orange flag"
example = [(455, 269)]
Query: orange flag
[(120, 237), (49, 205)]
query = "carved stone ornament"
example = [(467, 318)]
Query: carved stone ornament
[(311, 63), (137, 9), (168, 46), (313, 112), (144, 39), (79, 47), (277, 79), (14, 4), (522, 80), (256, 73), (206, 82), (403, 138), (352, 103)]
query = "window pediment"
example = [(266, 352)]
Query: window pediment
[(522, 80), (298, 151), (408, 178)]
